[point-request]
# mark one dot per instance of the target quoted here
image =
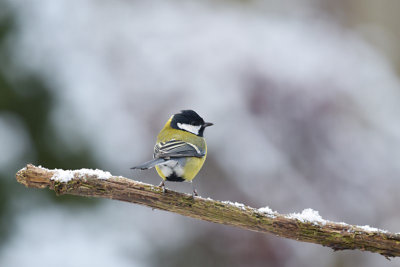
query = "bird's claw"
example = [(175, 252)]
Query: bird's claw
[(162, 185), (194, 193)]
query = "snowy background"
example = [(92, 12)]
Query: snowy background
[(305, 98)]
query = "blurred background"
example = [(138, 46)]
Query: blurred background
[(305, 97)]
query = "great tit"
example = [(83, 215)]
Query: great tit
[(180, 150)]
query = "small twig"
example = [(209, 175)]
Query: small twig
[(338, 236)]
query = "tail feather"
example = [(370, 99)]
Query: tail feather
[(149, 164)]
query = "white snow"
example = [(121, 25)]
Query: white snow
[(267, 211), (371, 229), (62, 176), (236, 204), (308, 215), (67, 175), (312, 216)]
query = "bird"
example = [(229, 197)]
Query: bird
[(180, 149)]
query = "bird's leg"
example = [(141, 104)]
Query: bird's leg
[(162, 185), (194, 193)]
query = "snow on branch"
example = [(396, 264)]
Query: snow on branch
[(307, 226)]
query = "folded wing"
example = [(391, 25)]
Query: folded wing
[(176, 148)]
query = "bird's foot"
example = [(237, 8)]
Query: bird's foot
[(194, 193), (162, 185)]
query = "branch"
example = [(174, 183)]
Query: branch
[(306, 227)]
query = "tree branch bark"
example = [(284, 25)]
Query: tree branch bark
[(338, 236)]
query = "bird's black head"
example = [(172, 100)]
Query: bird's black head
[(189, 121)]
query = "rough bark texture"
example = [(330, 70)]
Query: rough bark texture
[(335, 235)]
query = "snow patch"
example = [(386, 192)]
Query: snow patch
[(312, 216), (236, 204), (372, 229), (267, 211), (67, 175), (308, 215)]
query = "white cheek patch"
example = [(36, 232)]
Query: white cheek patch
[(194, 129)]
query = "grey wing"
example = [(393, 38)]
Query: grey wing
[(149, 164), (175, 149)]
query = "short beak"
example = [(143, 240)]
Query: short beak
[(206, 124)]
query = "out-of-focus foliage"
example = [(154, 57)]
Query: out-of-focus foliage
[(26, 100), (4, 28)]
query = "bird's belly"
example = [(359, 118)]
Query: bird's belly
[(182, 169), (172, 170)]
